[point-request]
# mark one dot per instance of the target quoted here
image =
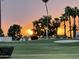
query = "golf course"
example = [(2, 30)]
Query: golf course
[(43, 49)]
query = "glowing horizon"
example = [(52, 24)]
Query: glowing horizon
[(23, 12)]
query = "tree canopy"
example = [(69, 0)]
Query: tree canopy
[(15, 32)]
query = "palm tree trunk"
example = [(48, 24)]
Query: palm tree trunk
[(78, 21), (74, 29), (47, 21), (64, 29), (56, 32), (70, 27)]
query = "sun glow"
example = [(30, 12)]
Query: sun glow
[(60, 31), (29, 32)]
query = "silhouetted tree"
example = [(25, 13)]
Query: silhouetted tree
[(45, 1), (1, 33), (78, 16), (37, 28), (68, 12), (41, 23), (73, 14), (45, 21), (63, 18), (15, 32)]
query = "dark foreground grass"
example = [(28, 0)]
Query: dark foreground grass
[(43, 49)]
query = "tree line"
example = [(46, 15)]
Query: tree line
[(40, 25), (70, 14)]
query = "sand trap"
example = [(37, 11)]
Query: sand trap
[(66, 41)]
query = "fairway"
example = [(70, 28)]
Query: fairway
[(43, 50)]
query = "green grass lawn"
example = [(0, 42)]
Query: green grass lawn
[(44, 49)]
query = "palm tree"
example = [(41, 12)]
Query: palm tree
[(73, 14), (45, 1), (68, 12), (78, 16), (63, 18)]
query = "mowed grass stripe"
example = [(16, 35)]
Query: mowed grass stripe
[(46, 56)]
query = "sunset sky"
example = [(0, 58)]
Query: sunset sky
[(23, 12)]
